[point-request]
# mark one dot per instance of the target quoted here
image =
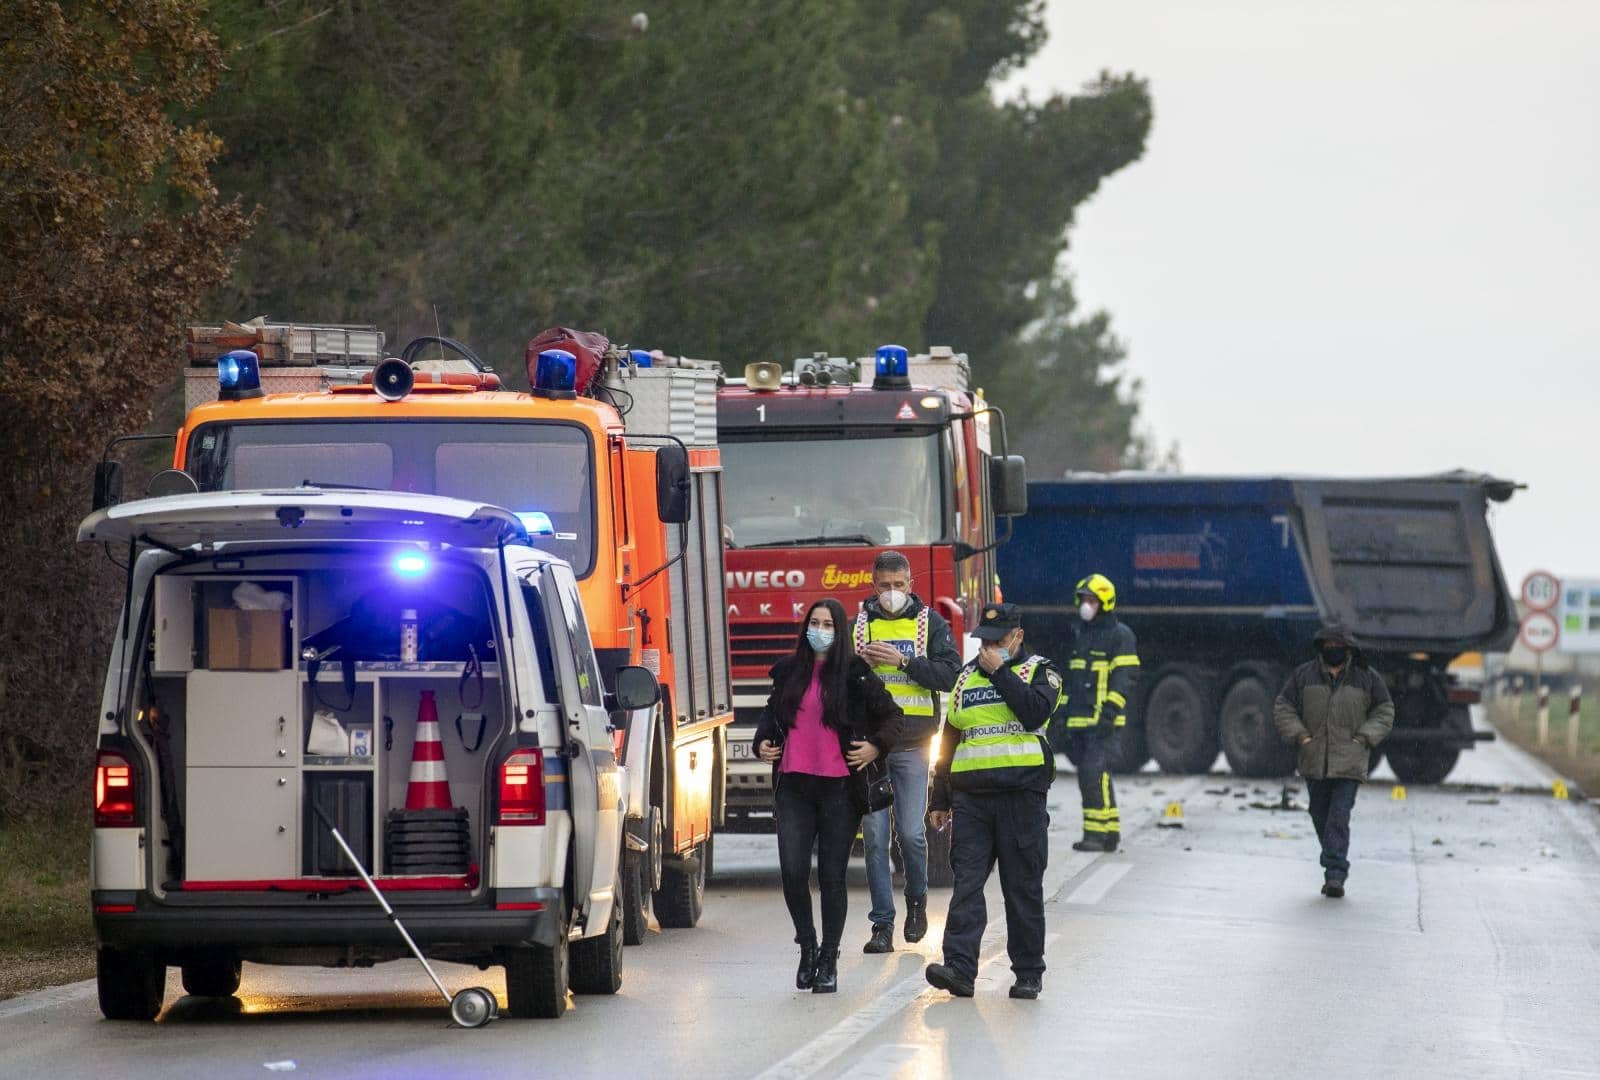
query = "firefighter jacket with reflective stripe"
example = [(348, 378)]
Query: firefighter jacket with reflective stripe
[(992, 739), (930, 662), (1101, 674)]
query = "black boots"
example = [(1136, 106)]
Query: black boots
[(882, 939), (948, 978), (1106, 843), (1333, 888), (916, 919), (827, 978), (1027, 987), (806, 975)]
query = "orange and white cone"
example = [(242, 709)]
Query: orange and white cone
[(429, 787)]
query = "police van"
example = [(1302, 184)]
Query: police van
[(408, 669)]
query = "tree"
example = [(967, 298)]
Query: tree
[(110, 234)]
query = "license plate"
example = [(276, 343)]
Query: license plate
[(740, 751)]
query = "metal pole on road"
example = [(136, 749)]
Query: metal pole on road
[(1574, 702)]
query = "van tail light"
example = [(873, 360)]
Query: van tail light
[(113, 792), (522, 789)]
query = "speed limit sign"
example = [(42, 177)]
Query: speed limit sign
[(1540, 631), (1541, 590)]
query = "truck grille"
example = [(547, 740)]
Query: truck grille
[(761, 644)]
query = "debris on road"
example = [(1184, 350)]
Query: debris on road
[(1483, 802), (1217, 791)]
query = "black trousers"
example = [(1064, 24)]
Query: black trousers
[(1331, 803), (1092, 754), (1011, 828), (815, 812)]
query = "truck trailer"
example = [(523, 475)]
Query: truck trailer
[(1226, 579)]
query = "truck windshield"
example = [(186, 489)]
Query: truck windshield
[(540, 471), (813, 490)]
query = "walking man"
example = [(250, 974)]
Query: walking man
[(912, 650), (1336, 709), (993, 774), (1100, 678)]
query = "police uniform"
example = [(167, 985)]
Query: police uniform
[(994, 773), (1100, 678)]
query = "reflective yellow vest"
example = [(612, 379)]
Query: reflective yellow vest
[(910, 636), (991, 735)]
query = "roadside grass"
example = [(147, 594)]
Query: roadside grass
[(46, 937), (1520, 725)]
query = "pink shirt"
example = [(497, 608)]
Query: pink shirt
[(812, 746)]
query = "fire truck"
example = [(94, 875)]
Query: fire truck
[(826, 466), (612, 464)]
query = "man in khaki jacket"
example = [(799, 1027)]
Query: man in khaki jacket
[(1335, 709)]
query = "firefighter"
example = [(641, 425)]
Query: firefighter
[(990, 783), (1100, 678), (911, 649)]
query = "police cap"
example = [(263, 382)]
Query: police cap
[(997, 621)]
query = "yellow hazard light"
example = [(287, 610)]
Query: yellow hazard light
[(930, 402)]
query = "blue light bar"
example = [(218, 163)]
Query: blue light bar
[(893, 370), (411, 564), (641, 358), (537, 523), (555, 373), (238, 375)]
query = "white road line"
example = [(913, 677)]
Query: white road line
[(47, 999), (1094, 890), (886, 1062)]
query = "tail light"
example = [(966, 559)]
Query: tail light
[(522, 789), (113, 791), (1464, 695)]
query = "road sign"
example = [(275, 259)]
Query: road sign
[(1540, 631), (1541, 590)]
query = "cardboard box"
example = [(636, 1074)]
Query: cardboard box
[(245, 640)]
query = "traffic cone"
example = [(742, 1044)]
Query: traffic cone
[(429, 787)]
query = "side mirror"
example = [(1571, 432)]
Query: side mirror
[(171, 482), (636, 688), (107, 484), (672, 484), (1008, 485)]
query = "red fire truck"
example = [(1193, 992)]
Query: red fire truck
[(828, 465)]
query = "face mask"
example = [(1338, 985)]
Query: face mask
[(1087, 611), (819, 639), (1005, 653), (892, 600), (1334, 655)]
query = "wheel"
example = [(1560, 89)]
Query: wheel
[(597, 961), (682, 895), (1244, 721), (537, 979), (212, 975), (473, 1007), (1180, 722), (1430, 763), (940, 874), (1132, 749), (641, 876), (131, 984)]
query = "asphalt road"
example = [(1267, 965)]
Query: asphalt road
[(1469, 945)]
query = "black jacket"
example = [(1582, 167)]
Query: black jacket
[(1031, 702), (936, 671), (1105, 638), (872, 713)]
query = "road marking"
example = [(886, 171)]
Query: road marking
[(47, 999), (1099, 883), (887, 1062)]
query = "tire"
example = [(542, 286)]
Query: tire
[(1244, 723), (641, 876), (1424, 763), (215, 974), (131, 984), (536, 980), (940, 873), (682, 895), (1180, 719), (597, 961)]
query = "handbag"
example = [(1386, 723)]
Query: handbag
[(871, 789)]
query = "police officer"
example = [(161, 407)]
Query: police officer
[(912, 651), (1100, 678), (993, 773)]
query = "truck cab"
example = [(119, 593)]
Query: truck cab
[(410, 669)]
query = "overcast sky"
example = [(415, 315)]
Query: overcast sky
[(1363, 239)]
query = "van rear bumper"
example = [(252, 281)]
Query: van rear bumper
[(134, 920)]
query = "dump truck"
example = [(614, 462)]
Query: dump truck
[(1226, 579)]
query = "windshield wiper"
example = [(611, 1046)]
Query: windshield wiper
[(341, 487), (846, 538)]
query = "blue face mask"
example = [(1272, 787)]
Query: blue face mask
[(820, 639), (1005, 653)]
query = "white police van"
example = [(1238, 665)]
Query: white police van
[(277, 670)]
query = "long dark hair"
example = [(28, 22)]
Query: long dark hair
[(834, 675)]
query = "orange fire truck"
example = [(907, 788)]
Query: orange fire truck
[(614, 468)]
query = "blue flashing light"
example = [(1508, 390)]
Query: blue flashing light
[(893, 362), (555, 374), (641, 358), (537, 523), (238, 375), (411, 564)]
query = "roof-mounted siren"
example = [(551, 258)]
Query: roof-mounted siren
[(763, 375), (820, 369), (555, 374), (238, 375), (393, 379), (892, 368)]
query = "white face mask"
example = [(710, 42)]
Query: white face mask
[(1088, 610), (892, 600)]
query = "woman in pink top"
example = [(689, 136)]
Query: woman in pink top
[(827, 719)]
